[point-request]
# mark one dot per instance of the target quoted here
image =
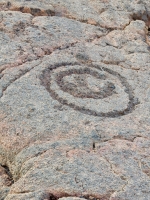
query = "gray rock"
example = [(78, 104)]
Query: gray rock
[(74, 100)]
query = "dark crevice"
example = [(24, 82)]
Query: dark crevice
[(102, 197), (147, 172), (42, 12), (8, 172), (23, 192), (62, 12), (1, 76), (86, 196), (94, 146), (8, 4), (33, 11), (143, 17), (127, 139), (52, 197)]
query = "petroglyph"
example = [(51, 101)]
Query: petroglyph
[(74, 99), (82, 89)]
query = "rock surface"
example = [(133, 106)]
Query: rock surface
[(75, 100)]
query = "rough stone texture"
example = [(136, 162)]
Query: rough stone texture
[(71, 198), (75, 100), (5, 181)]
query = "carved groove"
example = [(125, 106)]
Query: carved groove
[(46, 81)]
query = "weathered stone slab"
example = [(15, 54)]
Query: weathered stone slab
[(75, 100)]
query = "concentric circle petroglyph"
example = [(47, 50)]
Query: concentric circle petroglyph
[(92, 90)]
